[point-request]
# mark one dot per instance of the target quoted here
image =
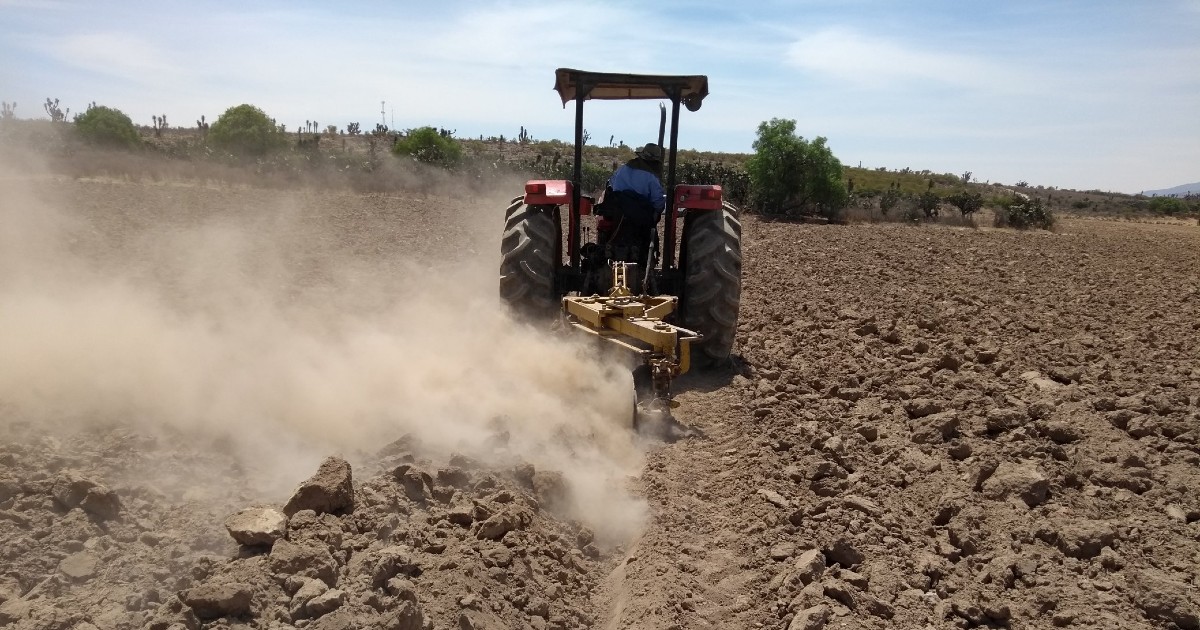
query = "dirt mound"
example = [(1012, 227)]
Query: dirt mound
[(926, 428), (939, 428), (104, 525), (457, 544), (416, 546)]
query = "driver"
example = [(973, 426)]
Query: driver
[(633, 202)]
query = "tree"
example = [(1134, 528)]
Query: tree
[(160, 123), (1167, 205), (427, 145), (890, 198), (1031, 213), (966, 202), (246, 130), (792, 175), (57, 114), (928, 203), (108, 126)]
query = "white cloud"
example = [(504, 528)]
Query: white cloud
[(116, 54), (863, 60), (35, 4)]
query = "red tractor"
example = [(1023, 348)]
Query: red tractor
[(544, 261)]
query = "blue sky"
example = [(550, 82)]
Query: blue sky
[(1079, 94)]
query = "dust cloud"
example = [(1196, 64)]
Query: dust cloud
[(249, 322)]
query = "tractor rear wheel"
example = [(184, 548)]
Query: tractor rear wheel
[(713, 284), (528, 260)]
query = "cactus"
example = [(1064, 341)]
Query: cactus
[(928, 202), (160, 123), (56, 113), (9, 111), (202, 125), (352, 129), (890, 198), (523, 138)]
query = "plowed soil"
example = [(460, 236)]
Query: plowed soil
[(924, 427)]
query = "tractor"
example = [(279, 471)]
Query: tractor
[(656, 305)]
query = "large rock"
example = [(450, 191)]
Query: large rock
[(480, 620), (379, 566), (782, 551), (1023, 481), (73, 490), (226, 599), (936, 428), (461, 514), (408, 616), (14, 610), (79, 566), (497, 526), (921, 407), (1000, 420), (416, 483), (550, 488), (326, 602), (102, 503), (330, 490), (809, 566), (1163, 598), (844, 553), (257, 526), (1084, 539), (9, 488), (308, 590), (69, 488), (308, 560), (813, 618), (10, 589)]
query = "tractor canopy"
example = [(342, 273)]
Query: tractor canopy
[(571, 84)]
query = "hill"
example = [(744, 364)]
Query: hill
[(1193, 188)]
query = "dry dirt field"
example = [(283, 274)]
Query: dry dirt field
[(927, 427)]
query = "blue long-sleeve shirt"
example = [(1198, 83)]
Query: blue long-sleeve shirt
[(641, 182)]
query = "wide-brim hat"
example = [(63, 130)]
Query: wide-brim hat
[(651, 153)]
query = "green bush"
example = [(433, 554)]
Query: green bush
[(245, 130), (1033, 213), (1167, 205), (428, 146), (594, 177), (929, 202), (791, 175), (967, 202), (734, 182), (890, 199), (107, 126)]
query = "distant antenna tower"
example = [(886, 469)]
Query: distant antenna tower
[(383, 113), (393, 118)]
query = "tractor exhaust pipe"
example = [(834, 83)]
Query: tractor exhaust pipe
[(662, 124)]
